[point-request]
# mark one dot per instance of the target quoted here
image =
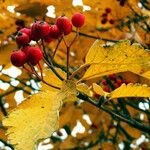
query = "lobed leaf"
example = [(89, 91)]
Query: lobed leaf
[(120, 57), (34, 119), (130, 90)]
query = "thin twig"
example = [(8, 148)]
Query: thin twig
[(59, 41)]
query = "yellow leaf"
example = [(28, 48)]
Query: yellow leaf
[(82, 87), (130, 90), (68, 91), (5, 52), (34, 119), (120, 57), (51, 78), (98, 90)]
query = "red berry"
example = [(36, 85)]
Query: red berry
[(22, 39), (104, 82), (108, 10), (78, 20), (104, 21), (40, 29), (106, 89), (126, 81), (34, 55), (48, 39), (111, 21), (119, 81), (18, 58), (104, 15), (112, 76), (64, 25), (116, 85), (26, 30), (54, 32)]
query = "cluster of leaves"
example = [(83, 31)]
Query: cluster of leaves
[(117, 116)]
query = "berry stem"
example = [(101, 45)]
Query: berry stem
[(49, 62), (53, 69), (44, 51), (27, 69), (68, 53), (76, 36), (68, 50), (41, 70), (36, 74), (59, 41), (65, 41)]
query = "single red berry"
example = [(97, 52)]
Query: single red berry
[(40, 29), (64, 25), (104, 82), (54, 32), (108, 10), (111, 21), (34, 35), (22, 39), (34, 55), (26, 30), (126, 81), (18, 58), (48, 39), (119, 81), (112, 76), (104, 15), (78, 20), (106, 89), (116, 85), (104, 21)]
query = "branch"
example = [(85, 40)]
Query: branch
[(119, 116)]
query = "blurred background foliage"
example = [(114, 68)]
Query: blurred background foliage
[(82, 126)]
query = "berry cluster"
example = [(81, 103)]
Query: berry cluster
[(105, 19), (41, 30), (112, 82)]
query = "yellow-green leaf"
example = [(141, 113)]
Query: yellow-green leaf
[(130, 90), (120, 57), (51, 78), (68, 91), (82, 87), (98, 90), (34, 119)]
